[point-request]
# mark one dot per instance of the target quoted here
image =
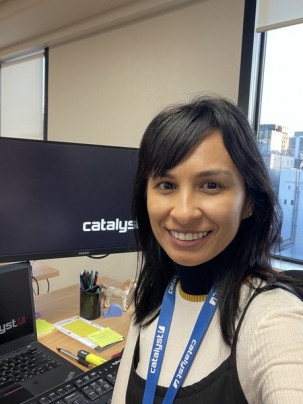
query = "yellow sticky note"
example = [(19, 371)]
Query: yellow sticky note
[(105, 337), (43, 326), (80, 328)]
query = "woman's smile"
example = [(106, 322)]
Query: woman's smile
[(179, 235), (188, 240)]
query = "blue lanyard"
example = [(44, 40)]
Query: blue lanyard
[(160, 339)]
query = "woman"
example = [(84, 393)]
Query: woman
[(208, 327)]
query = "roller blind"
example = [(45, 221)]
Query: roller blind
[(279, 13), (21, 98)]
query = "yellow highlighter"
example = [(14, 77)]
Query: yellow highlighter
[(90, 358)]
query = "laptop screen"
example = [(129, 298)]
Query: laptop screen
[(17, 322)]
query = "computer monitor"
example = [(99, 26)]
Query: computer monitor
[(65, 199)]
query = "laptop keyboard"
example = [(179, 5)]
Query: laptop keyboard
[(24, 365), (94, 386)]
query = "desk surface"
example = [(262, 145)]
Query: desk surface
[(63, 303), (42, 271)]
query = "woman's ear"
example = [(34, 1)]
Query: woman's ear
[(248, 209)]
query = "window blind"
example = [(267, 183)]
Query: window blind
[(21, 97), (274, 14)]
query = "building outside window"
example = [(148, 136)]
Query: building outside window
[(280, 130)]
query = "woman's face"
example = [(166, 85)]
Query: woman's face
[(195, 208)]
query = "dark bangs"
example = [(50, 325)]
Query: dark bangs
[(171, 135)]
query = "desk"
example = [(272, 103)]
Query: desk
[(40, 271), (63, 303)]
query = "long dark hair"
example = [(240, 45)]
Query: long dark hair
[(166, 141)]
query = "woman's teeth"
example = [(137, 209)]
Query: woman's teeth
[(188, 236)]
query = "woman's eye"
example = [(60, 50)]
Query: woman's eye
[(210, 185), (166, 185)]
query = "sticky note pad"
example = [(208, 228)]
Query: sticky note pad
[(105, 337), (43, 326), (81, 328)]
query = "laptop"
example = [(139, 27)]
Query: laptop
[(18, 339)]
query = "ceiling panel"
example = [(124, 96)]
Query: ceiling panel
[(27, 25)]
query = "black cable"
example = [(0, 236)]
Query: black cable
[(37, 283)]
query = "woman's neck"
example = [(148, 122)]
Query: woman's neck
[(198, 280)]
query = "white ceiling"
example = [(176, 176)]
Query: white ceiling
[(31, 24)]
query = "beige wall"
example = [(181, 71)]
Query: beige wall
[(105, 89)]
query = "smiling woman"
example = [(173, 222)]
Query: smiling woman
[(208, 219), (196, 208)]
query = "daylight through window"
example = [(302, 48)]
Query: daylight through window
[(280, 133)]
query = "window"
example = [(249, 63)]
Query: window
[(22, 93), (270, 92), (280, 130)]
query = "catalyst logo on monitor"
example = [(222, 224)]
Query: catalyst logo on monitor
[(14, 323), (122, 226)]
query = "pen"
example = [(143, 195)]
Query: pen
[(91, 358), (95, 278), (82, 282), (89, 280), (75, 358), (91, 277)]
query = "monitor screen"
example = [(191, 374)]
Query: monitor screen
[(64, 199)]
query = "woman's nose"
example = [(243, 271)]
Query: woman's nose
[(186, 208)]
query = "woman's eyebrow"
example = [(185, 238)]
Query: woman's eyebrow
[(200, 174), (217, 171)]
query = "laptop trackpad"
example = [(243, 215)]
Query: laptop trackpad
[(15, 395)]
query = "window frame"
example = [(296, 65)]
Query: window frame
[(251, 86)]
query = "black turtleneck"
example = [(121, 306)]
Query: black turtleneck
[(199, 279)]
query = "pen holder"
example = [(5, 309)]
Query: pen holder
[(90, 302)]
